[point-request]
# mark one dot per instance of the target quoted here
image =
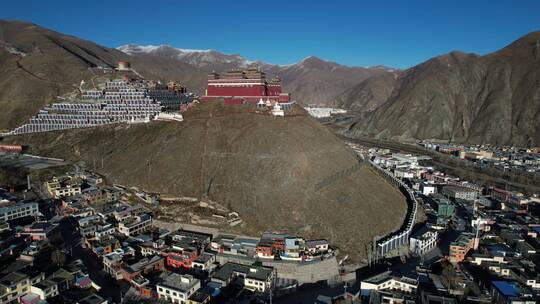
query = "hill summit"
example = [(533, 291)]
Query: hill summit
[(279, 173)]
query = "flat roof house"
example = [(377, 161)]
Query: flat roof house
[(257, 278), (177, 288)]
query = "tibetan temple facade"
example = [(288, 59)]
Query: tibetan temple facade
[(237, 87)]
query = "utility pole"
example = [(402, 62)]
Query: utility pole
[(149, 171), (272, 284)]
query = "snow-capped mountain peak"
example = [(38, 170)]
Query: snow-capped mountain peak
[(135, 48), (195, 57)]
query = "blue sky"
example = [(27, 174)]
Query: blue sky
[(356, 33)]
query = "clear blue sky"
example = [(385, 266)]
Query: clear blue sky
[(357, 33)]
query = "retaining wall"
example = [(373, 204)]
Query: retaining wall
[(401, 236)]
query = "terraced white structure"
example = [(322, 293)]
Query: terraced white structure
[(121, 101)]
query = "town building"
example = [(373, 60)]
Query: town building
[(60, 187), (460, 247), (443, 207), (317, 246), (93, 299), (200, 297), (13, 286), (45, 289), (205, 261), (135, 225), (423, 241), (386, 281), (508, 292), (34, 250), (112, 264), (257, 278), (10, 211), (150, 264), (427, 188), (95, 196), (40, 231), (103, 245), (177, 288), (181, 258), (461, 193), (501, 195), (153, 247), (294, 247)]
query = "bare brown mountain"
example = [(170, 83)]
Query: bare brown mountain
[(38, 64), (457, 97), (279, 173), (288, 174), (316, 81), (368, 95), (311, 81)]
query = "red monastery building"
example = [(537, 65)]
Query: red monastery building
[(237, 87)]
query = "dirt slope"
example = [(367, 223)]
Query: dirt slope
[(458, 97), (280, 173)]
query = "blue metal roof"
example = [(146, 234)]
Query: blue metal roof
[(507, 289)]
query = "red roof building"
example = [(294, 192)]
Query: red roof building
[(239, 86), (181, 259)]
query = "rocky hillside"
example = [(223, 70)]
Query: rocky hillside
[(456, 97), (316, 81), (311, 81), (38, 64), (278, 173)]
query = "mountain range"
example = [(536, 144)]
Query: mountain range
[(457, 97), (311, 81)]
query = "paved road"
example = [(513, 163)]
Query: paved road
[(15, 160)]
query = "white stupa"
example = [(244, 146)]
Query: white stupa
[(277, 111)]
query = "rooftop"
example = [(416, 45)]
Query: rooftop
[(179, 282), (200, 296), (205, 257), (313, 243), (506, 288), (141, 264), (12, 278), (260, 273), (462, 240), (379, 278), (92, 299)]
